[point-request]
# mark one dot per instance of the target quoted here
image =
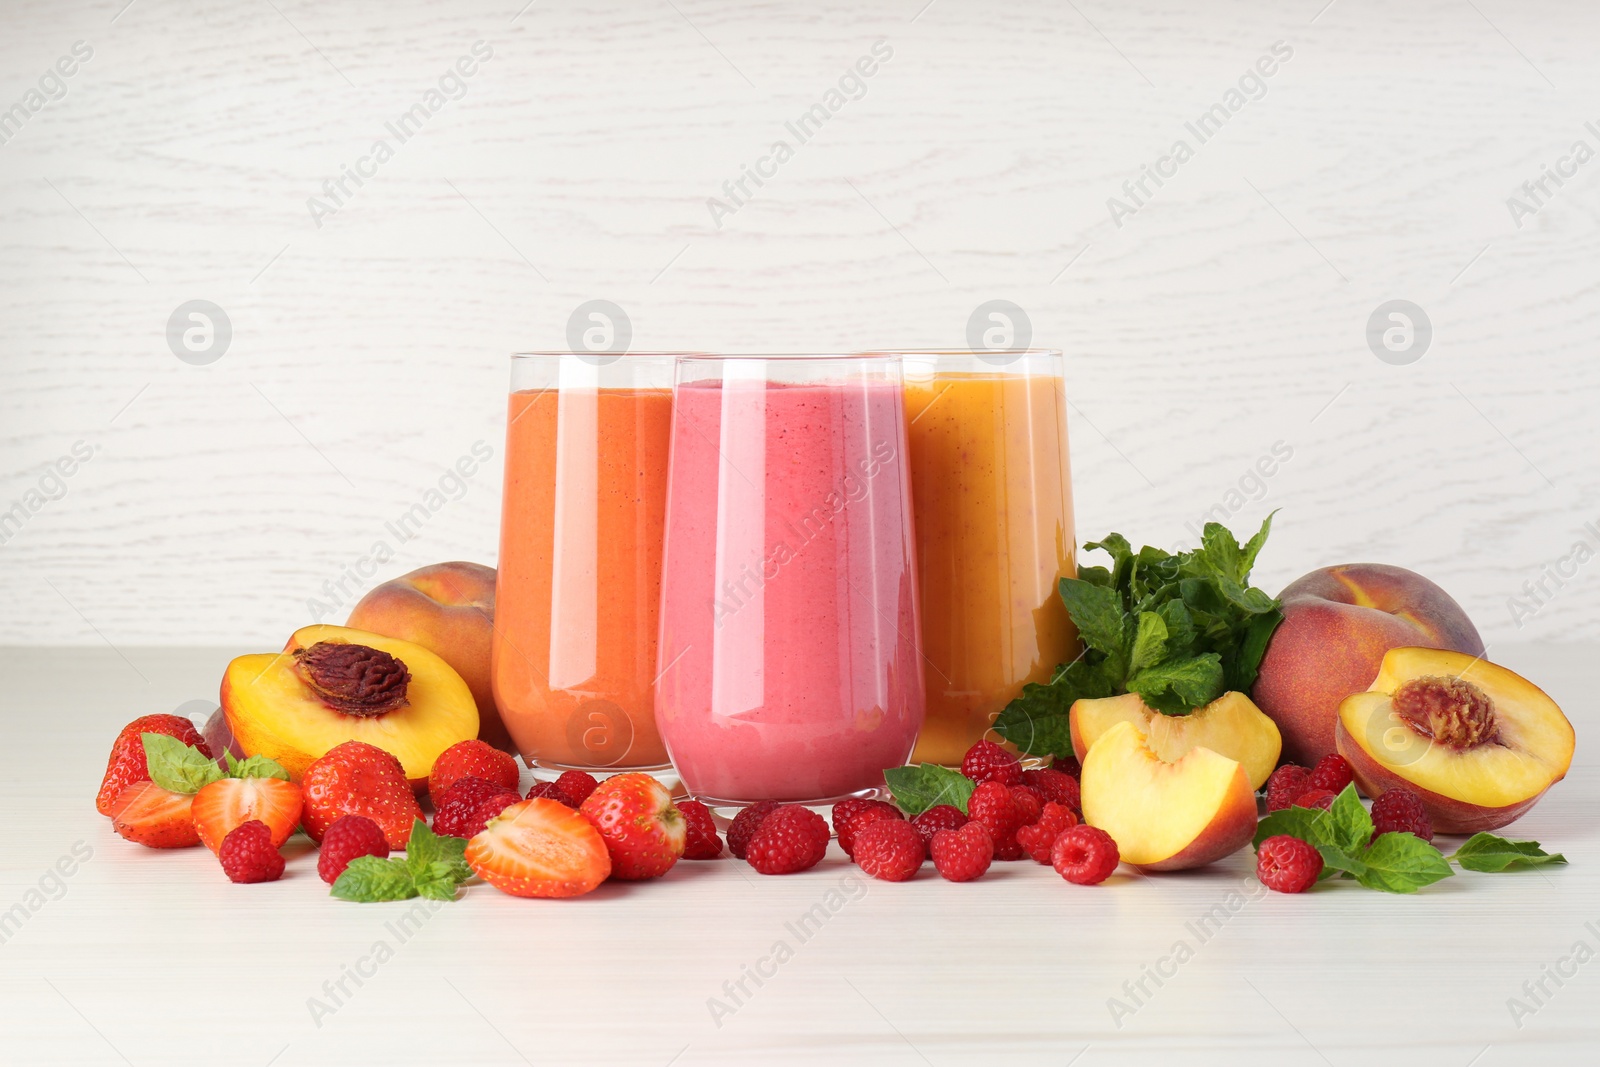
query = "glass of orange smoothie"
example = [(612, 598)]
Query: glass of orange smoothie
[(574, 645), (992, 497)]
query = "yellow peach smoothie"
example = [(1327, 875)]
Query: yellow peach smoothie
[(992, 497)]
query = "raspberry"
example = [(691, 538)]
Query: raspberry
[(789, 839), (988, 762), (1039, 838), (890, 849), (1054, 785), (1286, 783), (1028, 804), (746, 823), (1287, 864), (1314, 798), (991, 804), (1400, 811), (456, 813), (247, 854), (548, 791), (349, 836), (700, 831), (575, 787), (961, 855), (1084, 855), (1332, 773), (850, 816), (939, 817)]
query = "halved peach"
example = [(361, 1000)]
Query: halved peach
[(1230, 725), (332, 684), (1166, 816), (1477, 742)]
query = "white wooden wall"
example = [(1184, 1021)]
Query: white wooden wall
[(369, 353)]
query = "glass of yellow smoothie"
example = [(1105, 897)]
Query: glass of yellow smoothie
[(992, 501)]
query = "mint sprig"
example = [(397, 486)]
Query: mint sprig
[(1490, 854), (918, 788), (1177, 629), (1392, 862), (434, 867), (180, 768)]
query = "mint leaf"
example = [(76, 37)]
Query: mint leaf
[(1246, 664), (255, 767), (369, 879), (437, 880), (1490, 854), (916, 789), (1304, 823), (1221, 550), (177, 767), (1252, 547), (1098, 614), (1336, 861), (1348, 826), (1177, 687), (428, 853), (1149, 641), (1401, 863), (1039, 722)]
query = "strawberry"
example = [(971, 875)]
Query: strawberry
[(540, 848), (149, 815), (127, 764), (643, 831), (471, 759), (356, 778), (223, 806)]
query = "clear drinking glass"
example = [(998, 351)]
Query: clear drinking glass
[(993, 490), (788, 657), (579, 582)]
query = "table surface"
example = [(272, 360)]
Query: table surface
[(144, 957)]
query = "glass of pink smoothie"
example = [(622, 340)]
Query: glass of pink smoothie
[(788, 658)]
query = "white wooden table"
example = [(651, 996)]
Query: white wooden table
[(144, 957)]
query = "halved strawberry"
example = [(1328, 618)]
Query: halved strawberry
[(232, 802), (149, 815), (127, 764), (540, 848)]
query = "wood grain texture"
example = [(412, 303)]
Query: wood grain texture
[(154, 958), (368, 354)]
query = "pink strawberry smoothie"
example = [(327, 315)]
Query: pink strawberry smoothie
[(789, 624)]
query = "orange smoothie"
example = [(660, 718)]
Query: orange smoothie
[(580, 574), (992, 496)]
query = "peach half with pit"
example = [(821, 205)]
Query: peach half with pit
[(1478, 743), (1230, 726), (1166, 816), (332, 684)]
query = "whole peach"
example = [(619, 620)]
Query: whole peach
[(448, 609), (1337, 624)]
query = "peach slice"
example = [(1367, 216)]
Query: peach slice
[(1230, 726), (1166, 816), (332, 684), (1477, 742)]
